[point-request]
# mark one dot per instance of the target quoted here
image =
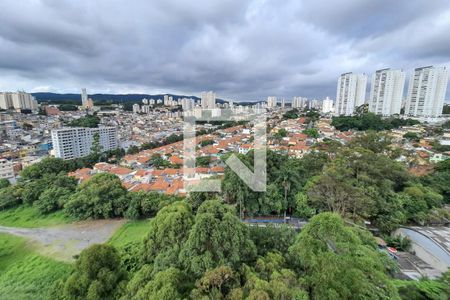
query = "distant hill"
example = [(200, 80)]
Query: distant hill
[(55, 98), (106, 98)]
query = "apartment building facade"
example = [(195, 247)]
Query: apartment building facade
[(70, 143)]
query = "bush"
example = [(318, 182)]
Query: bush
[(400, 242)]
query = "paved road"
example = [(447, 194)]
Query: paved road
[(431, 244), (64, 241)]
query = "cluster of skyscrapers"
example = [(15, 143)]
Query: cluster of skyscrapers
[(325, 105), (18, 100), (425, 96)]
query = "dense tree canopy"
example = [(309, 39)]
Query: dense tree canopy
[(217, 238), (103, 196), (167, 233), (91, 121), (338, 264), (369, 121), (97, 275)]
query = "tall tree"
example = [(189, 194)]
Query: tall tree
[(217, 238), (98, 275), (340, 263), (103, 196), (167, 234)]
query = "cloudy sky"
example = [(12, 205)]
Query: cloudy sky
[(242, 49)]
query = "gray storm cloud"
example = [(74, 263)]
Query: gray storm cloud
[(245, 50)]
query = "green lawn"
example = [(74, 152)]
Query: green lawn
[(28, 216), (130, 232), (25, 274)]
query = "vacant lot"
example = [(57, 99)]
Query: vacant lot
[(63, 242)]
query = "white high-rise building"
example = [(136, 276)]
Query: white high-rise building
[(271, 102), (208, 100), (136, 108), (315, 104), (386, 92), (299, 102), (426, 92), (351, 93), (187, 103), (327, 105), (6, 100), (70, 143), (22, 100), (84, 97)]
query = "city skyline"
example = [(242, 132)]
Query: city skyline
[(45, 51)]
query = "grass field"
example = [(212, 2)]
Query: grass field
[(25, 274), (29, 217), (130, 232)]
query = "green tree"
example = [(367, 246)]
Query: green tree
[(373, 141), (165, 285), (217, 238), (4, 183), (145, 205), (425, 289), (206, 143), (133, 149), (97, 275), (103, 196), (412, 136), (288, 176), (159, 162), (270, 279), (311, 132), (202, 161), (96, 148), (47, 166), (138, 281), (271, 201), (439, 179), (10, 197), (52, 199), (90, 121), (215, 283), (281, 133), (167, 234), (337, 264), (271, 239)]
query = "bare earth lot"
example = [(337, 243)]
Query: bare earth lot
[(64, 241)]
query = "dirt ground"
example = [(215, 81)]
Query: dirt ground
[(64, 241)]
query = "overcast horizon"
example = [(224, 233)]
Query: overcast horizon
[(242, 51)]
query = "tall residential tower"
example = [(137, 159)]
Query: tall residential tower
[(386, 92), (208, 100), (84, 98), (426, 92), (351, 93)]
